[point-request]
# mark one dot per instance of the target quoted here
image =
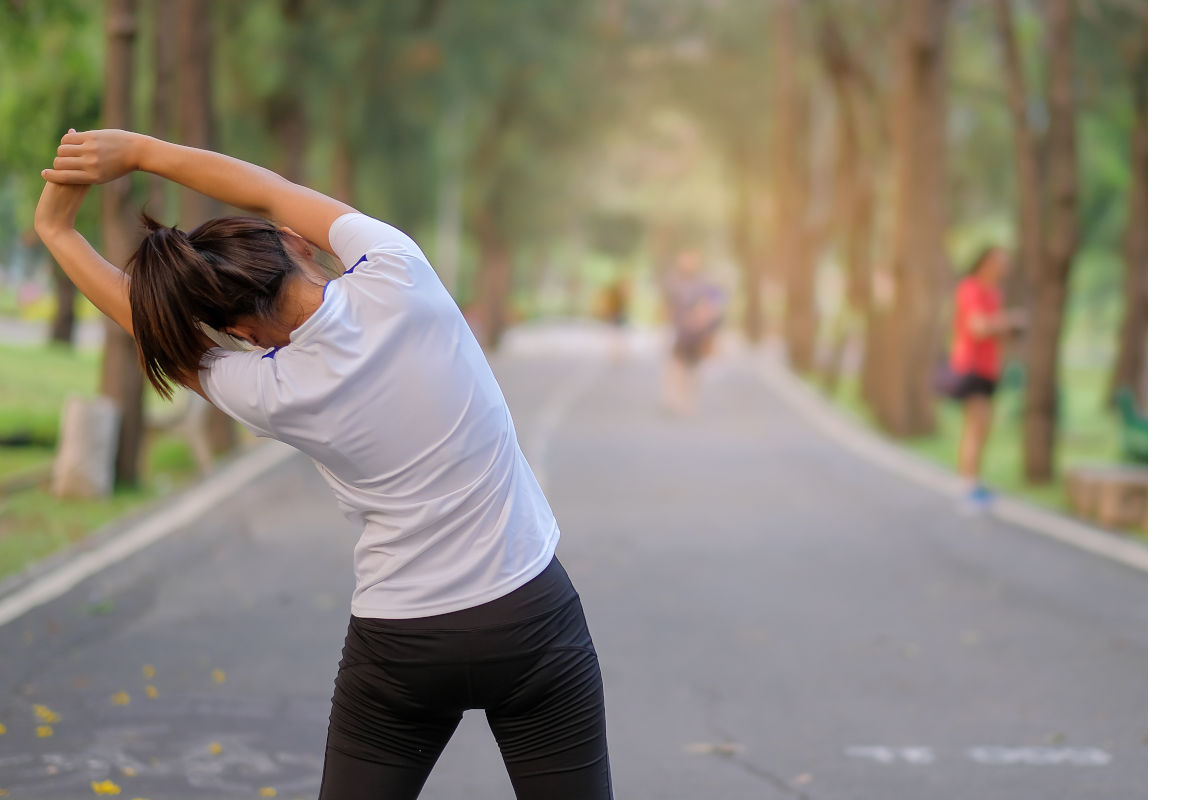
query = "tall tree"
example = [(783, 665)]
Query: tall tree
[(197, 128), (796, 235), (121, 373), (856, 164), (1030, 152), (1054, 197), (1130, 370), (918, 267)]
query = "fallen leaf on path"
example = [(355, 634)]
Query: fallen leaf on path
[(105, 787), (128, 772), (267, 791), (44, 730), (148, 671), (215, 748), (3, 792), (44, 714), (218, 676), (120, 699), (151, 692), (3, 730)]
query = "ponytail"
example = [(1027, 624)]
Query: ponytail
[(220, 272)]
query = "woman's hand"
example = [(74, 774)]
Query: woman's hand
[(95, 156), (57, 208)]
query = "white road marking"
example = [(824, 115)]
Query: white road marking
[(182, 510), (988, 755), (851, 435)]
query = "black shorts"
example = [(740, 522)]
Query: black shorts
[(973, 384), (526, 659)]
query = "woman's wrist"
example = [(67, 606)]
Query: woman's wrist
[(141, 151)]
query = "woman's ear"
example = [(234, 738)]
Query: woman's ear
[(298, 241)]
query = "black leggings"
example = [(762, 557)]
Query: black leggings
[(526, 659)]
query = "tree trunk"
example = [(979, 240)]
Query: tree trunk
[(918, 267), (162, 123), (121, 373), (791, 255), (1030, 245), (1050, 287), (197, 128), (62, 325), (344, 164), (1130, 369), (742, 227), (855, 194), (493, 277)]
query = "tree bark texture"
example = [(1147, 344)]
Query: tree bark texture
[(1049, 287), (740, 162), (121, 372), (1131, 367), (855, 191), (197, 128), (62, 324), (162, 111), (1027, 145), (492, 279), (919, 270)]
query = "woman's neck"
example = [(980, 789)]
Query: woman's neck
[(299, 299)]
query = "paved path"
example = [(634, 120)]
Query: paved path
[(775, 617)]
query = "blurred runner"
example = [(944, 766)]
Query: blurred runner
[(980, 323), (695, 307), (615, 311)]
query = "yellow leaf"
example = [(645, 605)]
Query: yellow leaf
[(44, 714), (44, 730), (267, 791), (3, 792), (105, 787), (148, 671), (3, 730), (215, 748), (218, 676), (151, 692), (128, 772), (120, 699)]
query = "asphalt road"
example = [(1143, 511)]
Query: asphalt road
[(775, 617)]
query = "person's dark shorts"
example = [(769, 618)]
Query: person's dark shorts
[(526, 659), (972, 384)]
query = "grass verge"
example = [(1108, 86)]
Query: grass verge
[(34, 382), (1089, 432)]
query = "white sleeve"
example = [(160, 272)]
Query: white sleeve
[(242, 385), (354, 236)]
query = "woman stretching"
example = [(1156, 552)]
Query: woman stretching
[(459, 600)]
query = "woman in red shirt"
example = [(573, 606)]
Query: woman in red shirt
[(979, 325)]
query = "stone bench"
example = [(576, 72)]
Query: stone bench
[(1111, 495)]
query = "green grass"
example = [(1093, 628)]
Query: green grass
[(1089, 432), (34, 523), (17, 461), (34, 382)]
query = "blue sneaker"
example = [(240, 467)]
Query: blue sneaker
[(978, 500)]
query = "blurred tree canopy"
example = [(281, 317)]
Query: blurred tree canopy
[(522, 140)]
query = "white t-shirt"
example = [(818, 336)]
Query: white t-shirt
[(386, 388)]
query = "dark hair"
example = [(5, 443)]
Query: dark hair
[(222, 270)]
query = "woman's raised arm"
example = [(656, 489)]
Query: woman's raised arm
[(101, 156), (103, 284)]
